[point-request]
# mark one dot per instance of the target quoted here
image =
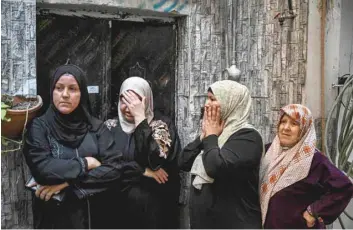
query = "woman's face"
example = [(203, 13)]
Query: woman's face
[(211, 99), (288, 131), (66, 94), (125, 110)]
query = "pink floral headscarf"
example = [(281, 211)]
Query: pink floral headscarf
[(281, 168)]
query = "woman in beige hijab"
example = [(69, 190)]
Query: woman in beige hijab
[(150, 146), (224, 162)]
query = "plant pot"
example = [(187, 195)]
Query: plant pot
[(14, 128)]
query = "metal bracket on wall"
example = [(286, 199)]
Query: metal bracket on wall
[(336, 85), (341, 80), (282, 17)]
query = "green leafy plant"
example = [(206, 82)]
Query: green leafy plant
[(7, 103), (4, 108)]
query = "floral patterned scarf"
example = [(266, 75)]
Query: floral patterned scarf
[(281, 168)]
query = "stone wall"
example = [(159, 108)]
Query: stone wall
[(272, 58), (18, 44), (18, 74), (200, 54)]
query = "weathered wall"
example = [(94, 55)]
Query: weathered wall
[(312, 98), (272, 59), (18, 44), (16, 200), (338, 62), (346, 38), (200, 54), (152, 7), (18, 72), (332, 51), (312, 88)]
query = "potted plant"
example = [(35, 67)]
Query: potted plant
[(16, 112)]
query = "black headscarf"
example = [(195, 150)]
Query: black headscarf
[(71, 129)]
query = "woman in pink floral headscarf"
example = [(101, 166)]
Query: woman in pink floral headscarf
[(299, 186)]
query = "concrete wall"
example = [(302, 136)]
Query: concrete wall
[(332, 51), (346, 38), (312, 90)]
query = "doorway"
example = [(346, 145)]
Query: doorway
[(109, 52), (145, 50)]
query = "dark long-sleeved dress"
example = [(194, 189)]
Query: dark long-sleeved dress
[(232, 200), (145, 203), (326, 189), (87, 199)]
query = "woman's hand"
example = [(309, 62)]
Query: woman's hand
[(136, 106), (310, 220), (202, 136), (212, 124), (45, 192), (92, 163), (160, 175)]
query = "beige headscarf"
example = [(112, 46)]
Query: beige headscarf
[(143, 89), (281, 168), (235, 101)]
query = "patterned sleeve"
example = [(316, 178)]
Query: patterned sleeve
[(111, 123), (156, 143)]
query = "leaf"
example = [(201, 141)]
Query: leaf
[(4, 142), (4, 111), (4, 106)]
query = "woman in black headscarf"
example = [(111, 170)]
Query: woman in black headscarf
[(71, 155)]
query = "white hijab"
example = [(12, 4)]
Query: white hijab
[(143, 89), (235, 101)]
